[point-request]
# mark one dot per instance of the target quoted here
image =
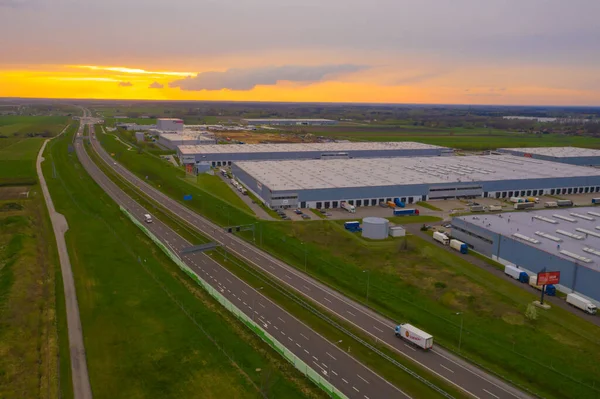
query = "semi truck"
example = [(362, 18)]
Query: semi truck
[(414, 335), (459, 246), (564, 203), (524, 205), (441, 238), (352, 226), (348, 207), (550, 289), (581, 303), (516, 273), (477, 208), (405, 212), (399, 203), (517, 200), (532, 199), (595, 200), (391, 204), (550, 204), (495, 208)]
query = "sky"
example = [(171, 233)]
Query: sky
[(529, 52)]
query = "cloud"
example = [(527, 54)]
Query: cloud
[(418, 78), (125, 84), (156, 85), (15, 3), (247, 79)]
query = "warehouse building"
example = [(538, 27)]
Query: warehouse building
[(570, 155), (169, 124), (367, 182), (172, 140), (220, 155), (565, 240), (291, 122)]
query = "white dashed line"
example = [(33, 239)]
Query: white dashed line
[(306, 351), (491, 394), (286, 276), (277, 328), (362, 379), (315, 358), (262, 305), (355, 389), (410, 347), (244, 292), (349, 312), (344, 380), (304, 336), (298, 345), (306, 287), (283, 321), (446, 368), (327, 299), (283, 333), (378, 329), (330, 355)]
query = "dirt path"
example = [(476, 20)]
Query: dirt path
[(81, 381)]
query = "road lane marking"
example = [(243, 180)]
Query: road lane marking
[(298, 345), (327, 299), (378, 329), (352, 314), (334, 372), (344, 380), (305, 337), (314, 357), (355, 389), (306, 351), (283, 321), (497, 397), (228, 280), (362, 379), (277, 328), (410, 347), (286, 276), (306, 287), (244, 292), (330, 355), (261, 305), (290, 338), (446, 368), (283, 333)]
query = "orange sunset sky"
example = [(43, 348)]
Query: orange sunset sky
[(463, 51)]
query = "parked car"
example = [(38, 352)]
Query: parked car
[(323, 211), (298, 212), (304, 216)]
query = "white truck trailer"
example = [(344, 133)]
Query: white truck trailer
[(413, 334), (441, 238), (582, 303), (348, 207), (495, 208), (550, 204)]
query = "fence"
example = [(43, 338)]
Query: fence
[(313, 375)]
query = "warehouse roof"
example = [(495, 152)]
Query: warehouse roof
[(370, 172), (288, 120), (187, 136), (558, 152), (305, 147), (572, 233)]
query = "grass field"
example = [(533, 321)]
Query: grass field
[(140, 342), (463, 138), (22, 126), (29, 345), (428, 286), (217, 187)]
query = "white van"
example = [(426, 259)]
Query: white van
[(148, 218)]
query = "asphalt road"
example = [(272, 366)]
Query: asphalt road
[(79, 372), (446, 365), (325, 357)]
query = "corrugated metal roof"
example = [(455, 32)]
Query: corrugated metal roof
[(558, 152)]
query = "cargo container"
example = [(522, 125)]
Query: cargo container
[(441, 238), (517, 200), (495, 208), (595, 200), (477, 208), (582, 303), (351, 225), (551, 204), (412, 334), (399, 203), (391, 204), (459, 246), (550, 289), (397, 231), (405, 212), (524, 205), (516, 273), (348, 207), (564, 203)]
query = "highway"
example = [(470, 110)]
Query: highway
[(453, 369), (334, 365)]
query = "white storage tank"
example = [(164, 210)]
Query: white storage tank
[(375, 228), (397, 231)]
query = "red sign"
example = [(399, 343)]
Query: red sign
[(546, 278), (527, 155)]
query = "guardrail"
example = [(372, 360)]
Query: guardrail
[(301, 366)]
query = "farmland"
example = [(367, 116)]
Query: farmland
[(149, 330), (29, 340)]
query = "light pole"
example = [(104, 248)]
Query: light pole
[(368, 283), (462, 318)]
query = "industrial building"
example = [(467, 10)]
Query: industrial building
[(570, 155), (367, 182), (291, 122), (220, 155), (565, 240), (169, 124), (172, 140)]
